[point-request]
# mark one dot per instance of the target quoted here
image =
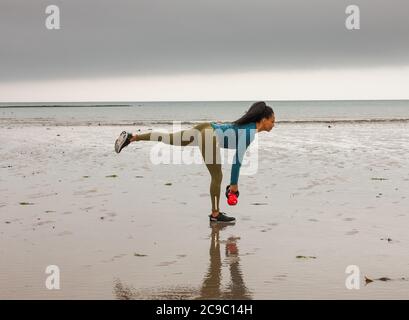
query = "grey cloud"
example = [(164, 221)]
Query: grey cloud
[(147, 37)]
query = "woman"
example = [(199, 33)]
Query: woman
[(211, 135)]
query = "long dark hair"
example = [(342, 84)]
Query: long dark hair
[(257, 111)]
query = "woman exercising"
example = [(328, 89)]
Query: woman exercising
[(209, 136)]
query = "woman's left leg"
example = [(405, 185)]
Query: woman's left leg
[(213, 163), (208, 143)]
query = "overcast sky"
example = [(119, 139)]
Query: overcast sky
[(203, 50)]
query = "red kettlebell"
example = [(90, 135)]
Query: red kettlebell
[(232, 197)]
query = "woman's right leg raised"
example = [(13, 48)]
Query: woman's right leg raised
[(179, 138)]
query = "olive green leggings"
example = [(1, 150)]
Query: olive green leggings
[(206, 141)]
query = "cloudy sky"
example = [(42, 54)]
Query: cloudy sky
[(203, 50)]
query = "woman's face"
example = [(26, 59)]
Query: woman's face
[(268, 123)]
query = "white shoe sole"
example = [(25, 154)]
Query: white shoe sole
[(120, 141)]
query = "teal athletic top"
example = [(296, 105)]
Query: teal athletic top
[(230, 132)]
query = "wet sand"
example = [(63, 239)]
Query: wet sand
[(120, 227)]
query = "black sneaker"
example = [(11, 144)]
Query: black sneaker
[(123, 140), (222, 218)]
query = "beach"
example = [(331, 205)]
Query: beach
[(325, 196)]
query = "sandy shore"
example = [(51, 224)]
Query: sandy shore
[(120, 227)]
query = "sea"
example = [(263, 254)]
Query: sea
[(148, 113)]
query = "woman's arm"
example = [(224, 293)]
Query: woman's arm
[(235, 168), (245, 137)]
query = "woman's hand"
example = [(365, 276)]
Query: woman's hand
[(232, 193)]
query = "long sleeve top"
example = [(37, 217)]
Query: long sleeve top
[(231, 136)]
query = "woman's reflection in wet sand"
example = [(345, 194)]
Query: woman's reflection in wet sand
[(211, 286), (212, 281)]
